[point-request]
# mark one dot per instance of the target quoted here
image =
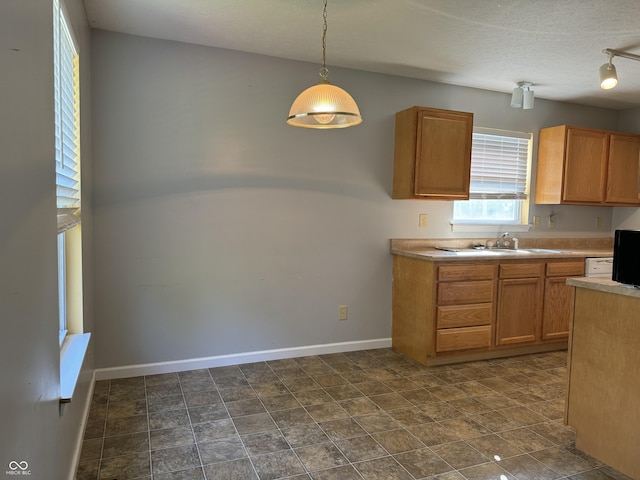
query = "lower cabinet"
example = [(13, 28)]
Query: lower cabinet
[(442, 309), (556, 315), (464, 306), (520, 297)]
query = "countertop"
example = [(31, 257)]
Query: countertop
[(604, 285), (425, 249), (434, 255)]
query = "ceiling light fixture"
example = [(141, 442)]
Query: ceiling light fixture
[(608, 75), (523, 96), (324, 105)]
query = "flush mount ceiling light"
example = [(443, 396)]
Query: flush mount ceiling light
[(523, 96), (324, 105), (608, 75)]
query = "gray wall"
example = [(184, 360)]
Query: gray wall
[(219, 229), (628, 218), (32, 429)]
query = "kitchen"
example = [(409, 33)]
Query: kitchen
[(277, 226)]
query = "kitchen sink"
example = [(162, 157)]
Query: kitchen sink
[(483, 252), (538, 250), (489, 252)]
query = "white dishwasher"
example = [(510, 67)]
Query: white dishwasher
[(598, 267)]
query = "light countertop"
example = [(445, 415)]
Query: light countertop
[(603, 284), (435, 255), (461, 250)]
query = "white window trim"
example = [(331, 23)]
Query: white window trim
[(72, 354), (62, 286)]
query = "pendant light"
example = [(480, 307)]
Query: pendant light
[(324, 105)]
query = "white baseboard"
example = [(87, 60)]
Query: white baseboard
[(237, 358)]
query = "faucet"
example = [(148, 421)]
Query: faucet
[(503, 241)]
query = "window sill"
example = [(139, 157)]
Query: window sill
[(72, 353), (489, 228)]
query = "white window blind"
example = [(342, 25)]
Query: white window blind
[(499, 161), (67, 121)]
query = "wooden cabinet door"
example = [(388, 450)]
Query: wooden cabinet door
[(585, 166), (556, 313), (622, 174), (519, 310), (557, 309), (443, 155)]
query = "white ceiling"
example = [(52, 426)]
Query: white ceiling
[(488, 44)]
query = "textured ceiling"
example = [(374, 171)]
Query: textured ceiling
[(488, 44)]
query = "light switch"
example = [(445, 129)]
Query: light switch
[(422, 220)]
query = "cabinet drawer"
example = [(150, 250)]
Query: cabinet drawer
[(521, 270), (448, 273), (565, 269), (450, 339), (457, 293), (464, 315)]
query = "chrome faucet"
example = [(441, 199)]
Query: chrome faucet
[(503, 241)]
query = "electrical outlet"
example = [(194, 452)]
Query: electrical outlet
[(552, 220), (536, 221), (343, 312), (422, 220), (598, 223)]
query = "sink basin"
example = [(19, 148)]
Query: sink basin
[(538, 250), (473, 252), (492, 252), (482, 252)]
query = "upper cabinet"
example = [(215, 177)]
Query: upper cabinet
[(432, 157), (623, 174), (582, 166)]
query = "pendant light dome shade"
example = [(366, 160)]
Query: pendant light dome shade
[(324, 106)]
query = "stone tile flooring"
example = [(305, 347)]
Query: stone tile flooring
[(369, 415)]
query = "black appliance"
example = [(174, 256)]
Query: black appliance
[(626, 257)]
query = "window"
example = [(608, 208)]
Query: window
[(73, 341), (499, 187), (67, 120), (67, 148)]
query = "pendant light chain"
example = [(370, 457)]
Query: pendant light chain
[(324, 71)]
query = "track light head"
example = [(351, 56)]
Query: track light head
[(527, 101), (516, 98), (608, 75), (522, 96)]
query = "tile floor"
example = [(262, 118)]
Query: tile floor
[(360, 415)]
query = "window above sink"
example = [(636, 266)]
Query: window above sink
[(500, 178)]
